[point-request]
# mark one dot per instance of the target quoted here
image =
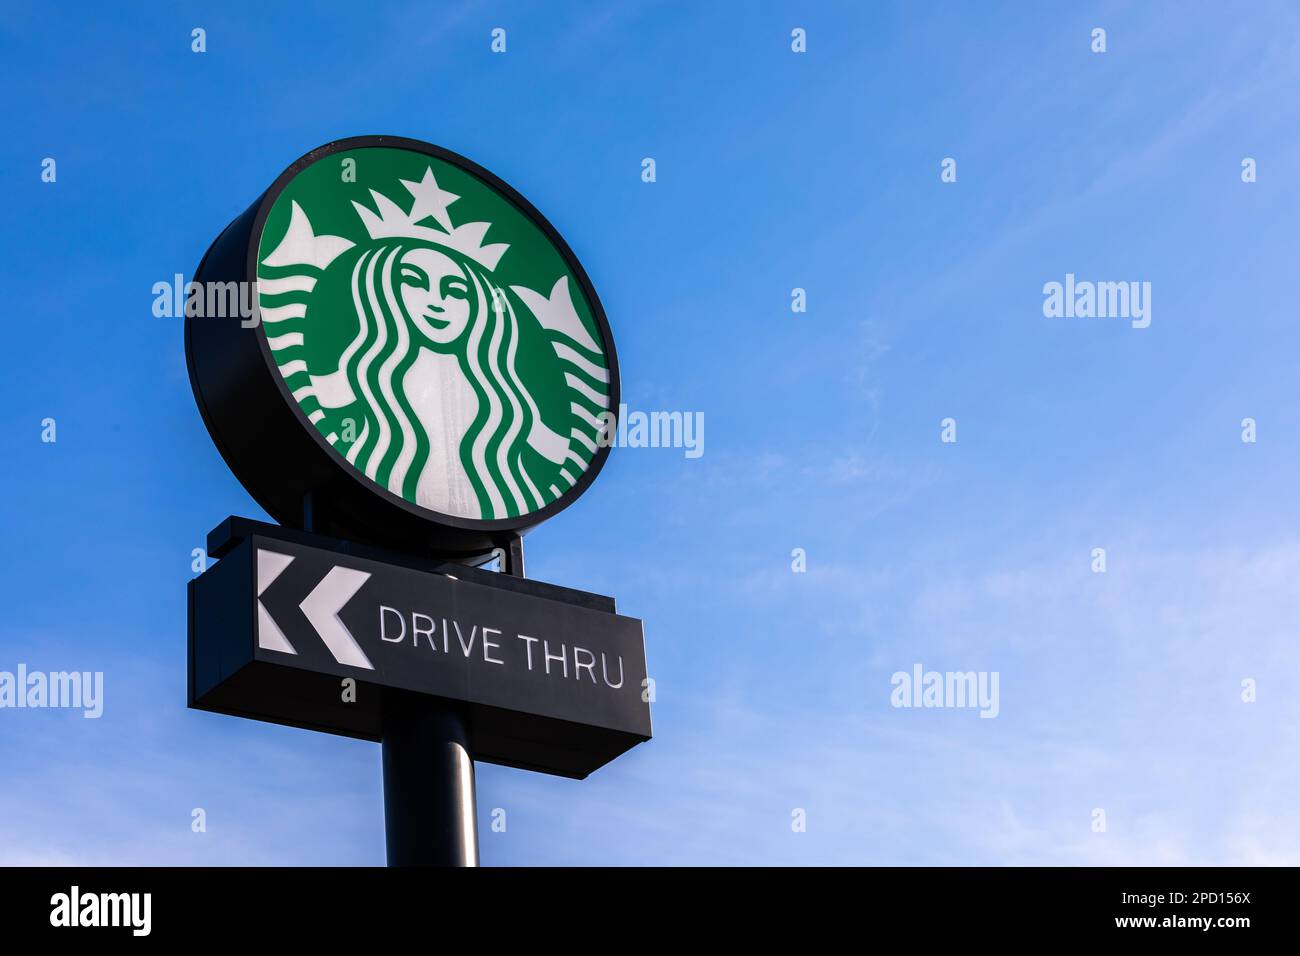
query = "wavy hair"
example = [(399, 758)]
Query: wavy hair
[(392, 448)]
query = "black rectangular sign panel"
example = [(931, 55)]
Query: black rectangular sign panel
[(552, 682)]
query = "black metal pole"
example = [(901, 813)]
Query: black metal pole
[(429, 807)]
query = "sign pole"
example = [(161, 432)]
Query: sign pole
[(356, 262), (429, 807)]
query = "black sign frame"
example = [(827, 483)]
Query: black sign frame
[(555, 724), (266, 439)]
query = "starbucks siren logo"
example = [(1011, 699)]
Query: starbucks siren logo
[(466, 376)]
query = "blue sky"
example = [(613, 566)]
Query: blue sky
[(1119, 691)]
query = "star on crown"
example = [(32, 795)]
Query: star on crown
[(429, 201)]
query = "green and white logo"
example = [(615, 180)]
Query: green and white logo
[(461, 371)]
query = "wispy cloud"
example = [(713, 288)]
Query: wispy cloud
[(1120, 692)]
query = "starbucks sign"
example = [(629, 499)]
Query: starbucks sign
[(431, 366)]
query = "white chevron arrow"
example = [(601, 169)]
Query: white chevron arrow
[(321, 607), (270, 565)]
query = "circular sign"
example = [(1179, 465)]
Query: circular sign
[(428, 364)]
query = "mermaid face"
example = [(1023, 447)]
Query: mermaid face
[(435, 293)]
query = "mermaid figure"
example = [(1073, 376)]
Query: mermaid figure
[(426, 397)]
